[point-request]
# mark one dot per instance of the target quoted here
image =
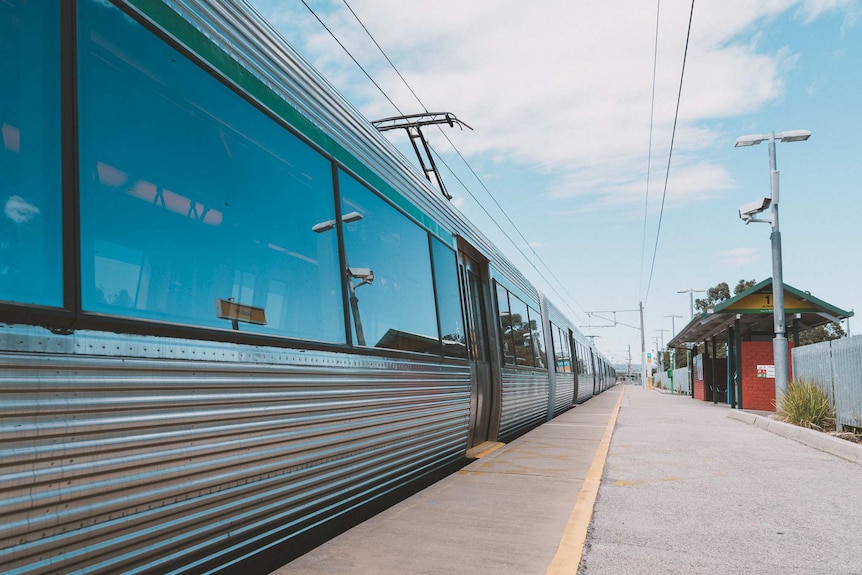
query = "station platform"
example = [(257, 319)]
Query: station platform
[(505, 513), (632, 481)]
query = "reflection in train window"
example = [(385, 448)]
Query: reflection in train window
[(537, 339), (562, 355), (508, 346), (448, 300), (31, 267), (194, 202), (389, 273)]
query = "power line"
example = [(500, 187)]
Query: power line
[(464, 160), (670, 153), (385, 56), (355, 61), (649, 150)]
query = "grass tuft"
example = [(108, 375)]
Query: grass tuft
[(807, 405)]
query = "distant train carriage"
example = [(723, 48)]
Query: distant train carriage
[(233, 316)]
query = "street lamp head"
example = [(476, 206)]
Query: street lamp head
[(749, 140), (351, 217), (330, 224), (788, 136), (323, 226), (793, 136)]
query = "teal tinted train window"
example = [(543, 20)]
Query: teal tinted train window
[(31, 269), (388, 273), (449, 300), (196, 207), (537, 338), (562, 355), (521, 332), (507, 343)]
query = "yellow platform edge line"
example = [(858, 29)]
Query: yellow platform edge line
[(568, 556)]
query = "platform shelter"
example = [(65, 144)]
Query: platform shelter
[(731, 345)]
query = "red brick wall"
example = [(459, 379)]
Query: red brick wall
[(699, 389), (759, 393)]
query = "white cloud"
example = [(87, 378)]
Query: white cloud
[(20, 210), (565, 87), (739, 256)]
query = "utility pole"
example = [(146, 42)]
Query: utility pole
[(643, 349), (691, 292)]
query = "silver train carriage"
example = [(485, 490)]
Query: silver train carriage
[(233, 316)]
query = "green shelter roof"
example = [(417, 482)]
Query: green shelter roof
[(755, 311)]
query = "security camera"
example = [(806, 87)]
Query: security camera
[(751, 209), (364, 274)]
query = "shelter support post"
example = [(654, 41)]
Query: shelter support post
[(737, 371), (713, 383), (732, 362)]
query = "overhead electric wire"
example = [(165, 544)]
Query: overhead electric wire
[(355, 61), (463, 159), (649, 149), (385, 56), (670, 152)]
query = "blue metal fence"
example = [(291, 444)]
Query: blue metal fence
[(836, 366)]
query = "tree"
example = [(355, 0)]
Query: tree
[(826, 332), (719, 293), (743, 285)]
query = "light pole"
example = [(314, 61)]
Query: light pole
[(364, 275), (691, 292), (747, 213), (673, 333), (673, 323)]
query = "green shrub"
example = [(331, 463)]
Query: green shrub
[(807, 405)]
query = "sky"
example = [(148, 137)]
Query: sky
[(572, 138)]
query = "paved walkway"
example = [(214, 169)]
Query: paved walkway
[(689, 490), (685, 489)]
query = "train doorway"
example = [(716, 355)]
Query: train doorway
[(477, 302)]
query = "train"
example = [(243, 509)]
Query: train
[(234, 319)]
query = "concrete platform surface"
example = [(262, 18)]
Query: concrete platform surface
[(503, 514), (695, 488)]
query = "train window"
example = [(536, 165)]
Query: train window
[(389, 273), (580, 357), (561, 350), (522, 332), (448, 300), (196, 207), (31, 269), (566, 350), (507, 343), (537, 338)]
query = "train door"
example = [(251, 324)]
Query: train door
[(477, 302), (573, 361)]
